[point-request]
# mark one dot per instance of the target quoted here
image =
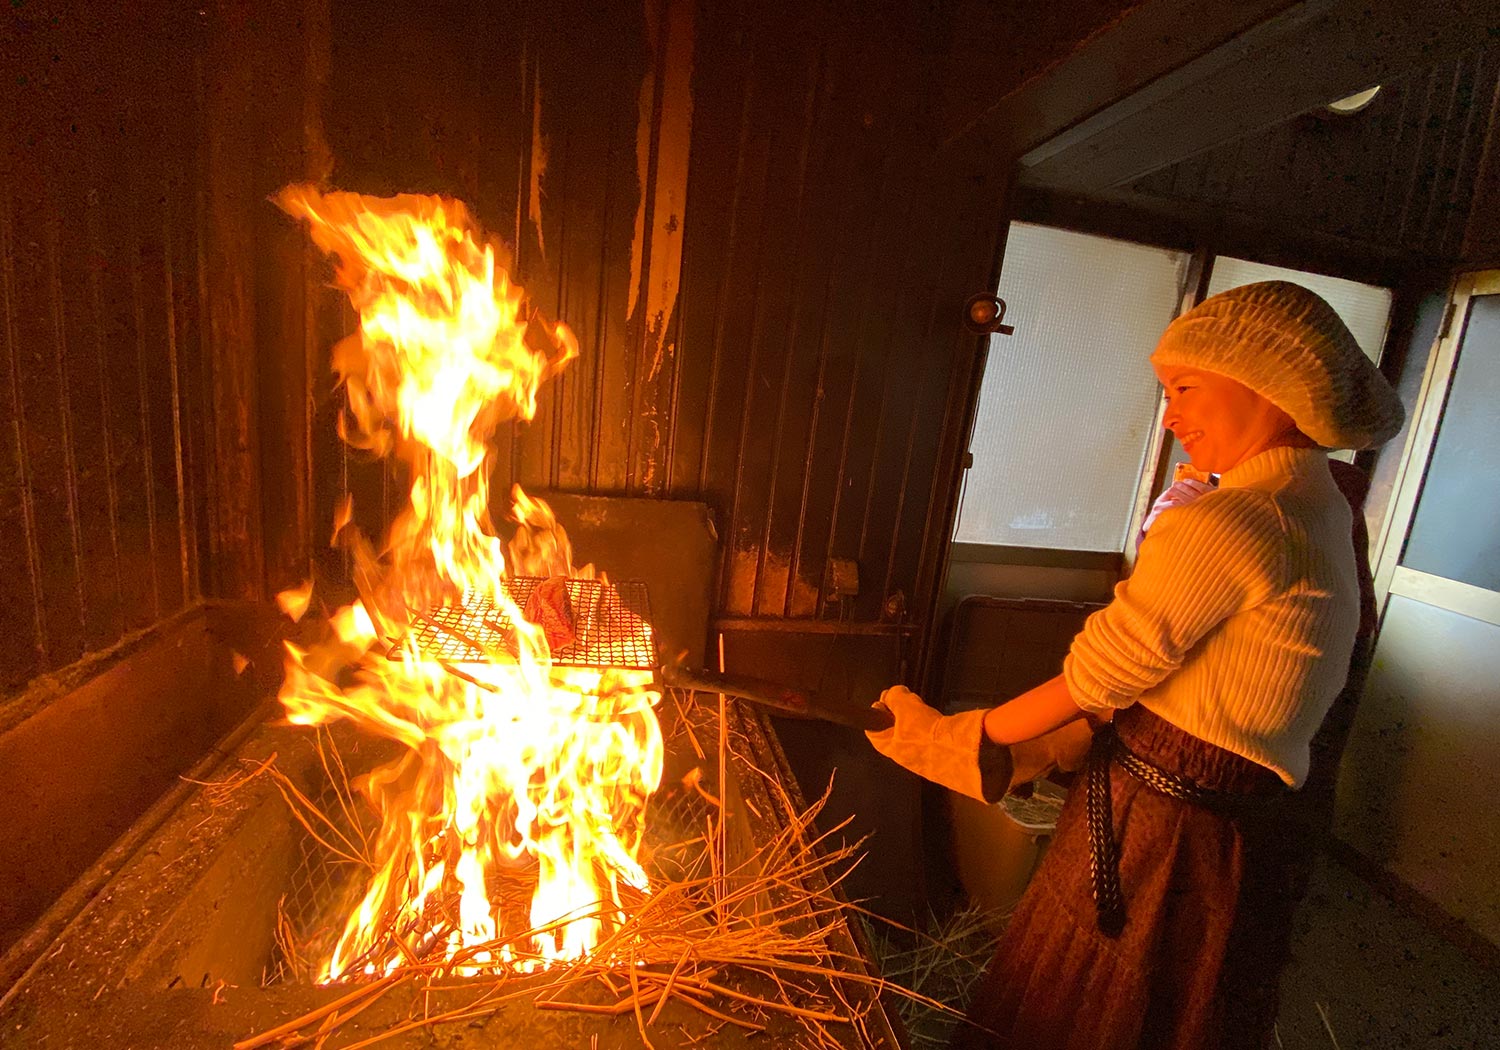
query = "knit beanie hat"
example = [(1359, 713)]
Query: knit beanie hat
[(1289, 346)]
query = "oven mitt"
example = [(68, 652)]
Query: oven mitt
[(950, 750)]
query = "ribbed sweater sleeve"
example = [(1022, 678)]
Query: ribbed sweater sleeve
[(1199, 565)]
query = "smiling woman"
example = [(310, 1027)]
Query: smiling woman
[(1221, 422), (1161, 915)]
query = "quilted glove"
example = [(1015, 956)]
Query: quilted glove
[(950, 750)]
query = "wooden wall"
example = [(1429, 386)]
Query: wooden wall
[(744, 213), (137, 143), (140, 143), (104, 389)]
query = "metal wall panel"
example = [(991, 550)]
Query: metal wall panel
[(102, 400), (742, 215), (1418, 777), (1400, 174)]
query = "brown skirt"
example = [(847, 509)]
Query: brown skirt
[(1208, 910)]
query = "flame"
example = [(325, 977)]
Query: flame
[(513, 768), (343, 514), (294, 600)]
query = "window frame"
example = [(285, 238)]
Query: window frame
[(1194, 281), (1391, 577), (1152, 479)]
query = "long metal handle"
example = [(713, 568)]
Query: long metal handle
[(775, 696)]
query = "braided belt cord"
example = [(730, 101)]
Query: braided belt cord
[(1176, 785), (1104, 851)]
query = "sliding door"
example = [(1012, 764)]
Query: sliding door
[(1420, 776)]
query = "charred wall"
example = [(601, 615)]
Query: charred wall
[(740, 208), (742, 211), (140, 143), (137, 146)]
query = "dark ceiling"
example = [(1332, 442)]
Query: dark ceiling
[(1236, 143)]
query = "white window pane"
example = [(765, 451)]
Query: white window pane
[(1068, 402), (1365, 308)]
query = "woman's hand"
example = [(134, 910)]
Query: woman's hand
[(945, 749)]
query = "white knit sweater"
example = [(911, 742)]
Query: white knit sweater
[(1239, 619)]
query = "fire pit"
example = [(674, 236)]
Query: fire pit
[(182, 948), (482, 814)]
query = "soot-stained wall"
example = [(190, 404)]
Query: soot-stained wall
[(743, 212)]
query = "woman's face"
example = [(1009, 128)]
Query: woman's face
[(1219, 423)]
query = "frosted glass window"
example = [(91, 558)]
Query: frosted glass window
[(1068, 402), (1365, 308), (1456, 530)]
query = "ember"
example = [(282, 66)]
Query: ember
[(517, 769)]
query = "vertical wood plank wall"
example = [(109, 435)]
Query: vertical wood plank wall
[(741, 212), (140, 295), (741, 209)]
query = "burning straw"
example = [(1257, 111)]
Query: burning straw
[(510, 760), (740, 944), (506, 840)]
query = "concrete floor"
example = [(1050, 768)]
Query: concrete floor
[(1382, 977)]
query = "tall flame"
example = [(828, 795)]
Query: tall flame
[(513, 768)]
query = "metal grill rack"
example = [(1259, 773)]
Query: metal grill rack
[(319, 893), (322, 888), (612, 622)]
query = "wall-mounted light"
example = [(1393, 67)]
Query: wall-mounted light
[(1351, 104), (986, 313)]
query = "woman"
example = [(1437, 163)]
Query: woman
[(1161, 914)]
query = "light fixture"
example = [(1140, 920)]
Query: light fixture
[(986, 313), (1351, 104)]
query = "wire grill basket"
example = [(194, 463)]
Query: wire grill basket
[(612, 622)]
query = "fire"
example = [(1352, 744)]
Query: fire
[(514, 768)]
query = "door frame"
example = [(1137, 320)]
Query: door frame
[(1391, 577)]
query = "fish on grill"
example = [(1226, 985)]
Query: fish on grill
[(549, 608)]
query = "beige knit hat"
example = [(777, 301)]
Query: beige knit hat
[(1290, 347)]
